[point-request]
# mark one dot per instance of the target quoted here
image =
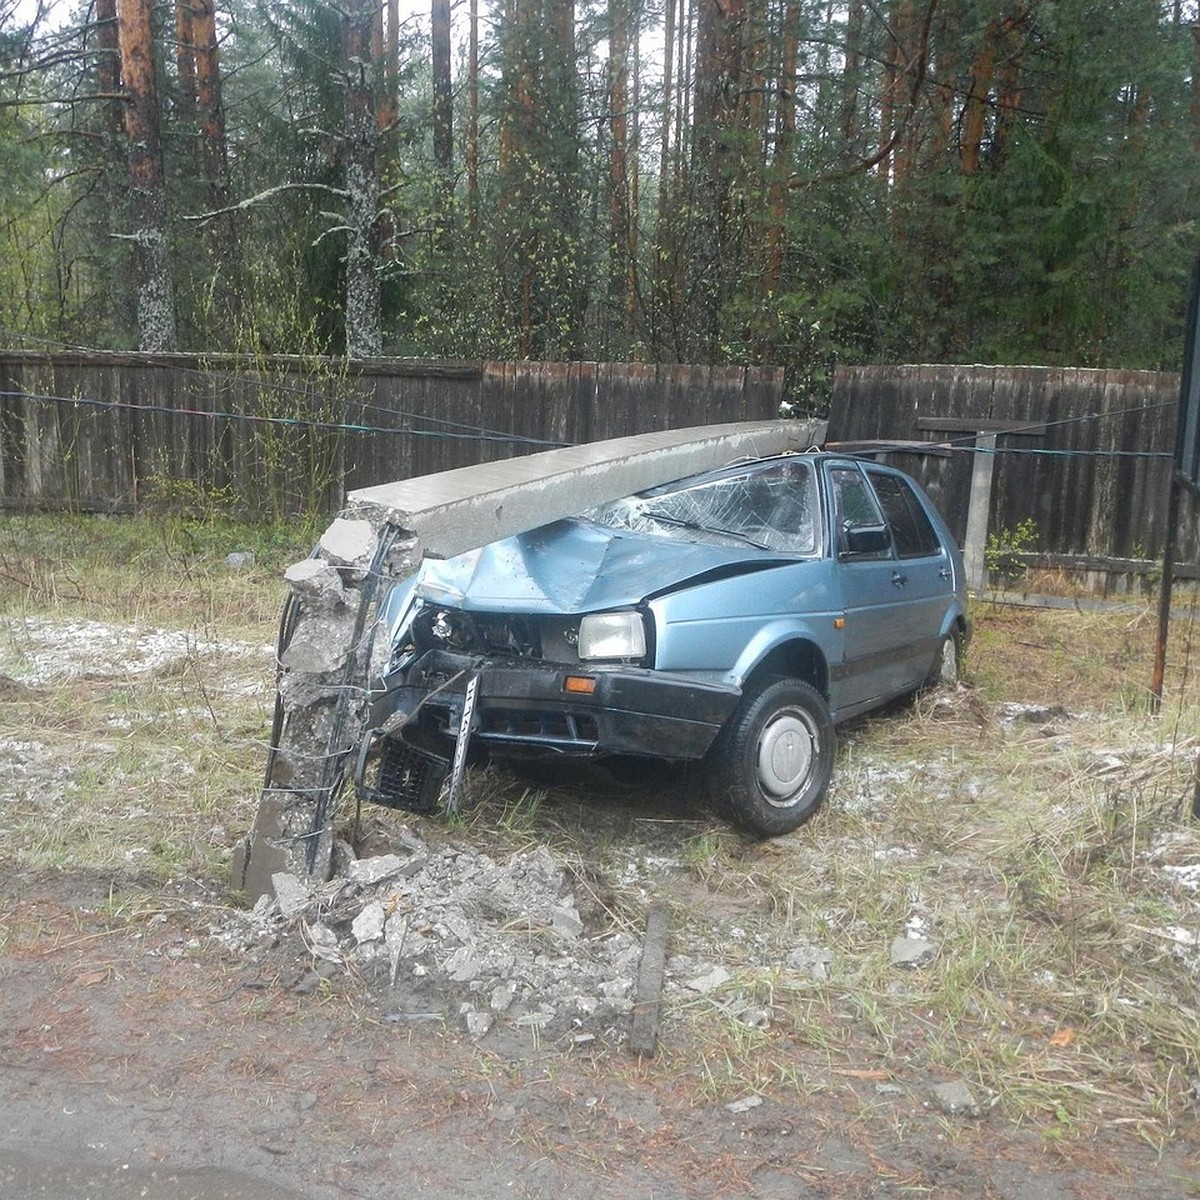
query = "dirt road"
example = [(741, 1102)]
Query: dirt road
[(130, 1072)]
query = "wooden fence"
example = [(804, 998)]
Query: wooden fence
[(279, 435), (1092, 473)]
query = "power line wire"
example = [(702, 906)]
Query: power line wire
[(218, 373)]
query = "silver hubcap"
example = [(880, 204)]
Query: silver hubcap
[(949, 668), (787, 750)]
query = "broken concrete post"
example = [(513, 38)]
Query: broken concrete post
[(330, 649), (328, 653)]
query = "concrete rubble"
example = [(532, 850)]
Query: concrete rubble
[(912, 952), (450, 934), (478, 938)]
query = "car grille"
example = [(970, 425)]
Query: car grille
[(552, 639)]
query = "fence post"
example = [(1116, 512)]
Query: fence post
[(978, 510)]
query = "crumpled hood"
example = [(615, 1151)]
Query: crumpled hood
[(576, 566)]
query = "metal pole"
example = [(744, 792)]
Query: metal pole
[(1164, 595)]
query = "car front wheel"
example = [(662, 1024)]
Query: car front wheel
[(772, 762)]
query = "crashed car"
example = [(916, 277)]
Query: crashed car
[(730, 620)]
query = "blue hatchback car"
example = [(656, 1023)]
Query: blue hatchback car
[(730, 619)]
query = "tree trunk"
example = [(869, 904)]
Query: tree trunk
[(975, 106), (908, 36), (185, 59), (619, 282), (850, 70), (473, 120), (214, 157), (717, 91), (781, 161), (364, 337), (1194, 112), (634, 159), (664, 157), (147, 187), (1008, 86), (443, 106), (113, 219), (389, 56)]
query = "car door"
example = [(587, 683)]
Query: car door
[(926, 573), (879, 629)]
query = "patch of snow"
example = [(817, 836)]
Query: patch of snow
[(38, 650)]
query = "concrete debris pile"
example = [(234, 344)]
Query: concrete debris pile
[(451, 933)]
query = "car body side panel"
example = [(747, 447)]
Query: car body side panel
[(728, 625)]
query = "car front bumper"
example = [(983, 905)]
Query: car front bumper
[(523, 708)]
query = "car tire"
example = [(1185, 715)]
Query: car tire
[(771, 763), (947, 665)]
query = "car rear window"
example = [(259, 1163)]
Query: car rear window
[(912, 531)]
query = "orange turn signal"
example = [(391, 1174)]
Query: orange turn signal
[(839, 622), (583, 685)]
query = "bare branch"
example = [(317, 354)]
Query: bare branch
[(262, 197), (59, 102)]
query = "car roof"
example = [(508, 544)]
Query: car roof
[(741, 464)]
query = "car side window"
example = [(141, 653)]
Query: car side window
[(855, 509), (912, 532)]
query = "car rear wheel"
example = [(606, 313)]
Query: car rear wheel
[(945, 669), (772, 762)]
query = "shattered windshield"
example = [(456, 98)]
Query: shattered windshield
[(770, 508)]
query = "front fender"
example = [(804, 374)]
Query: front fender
[(818, 634)]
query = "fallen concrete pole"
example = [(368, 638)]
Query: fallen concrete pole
[(329, 651)]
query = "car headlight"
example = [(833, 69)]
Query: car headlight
[(612, 635)]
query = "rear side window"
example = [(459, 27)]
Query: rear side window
[(912, 531)]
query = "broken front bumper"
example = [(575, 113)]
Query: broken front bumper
[(536, 708)]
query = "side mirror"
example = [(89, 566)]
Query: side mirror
[(868, 539)]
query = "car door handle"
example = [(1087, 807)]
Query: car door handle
[(898, 579), (946, 573)]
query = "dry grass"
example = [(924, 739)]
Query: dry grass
[(1049, 859), (144, 773), (1033, 846)]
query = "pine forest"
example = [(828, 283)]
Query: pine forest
[(790, 182)]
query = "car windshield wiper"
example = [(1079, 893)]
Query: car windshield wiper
[(688, 523)]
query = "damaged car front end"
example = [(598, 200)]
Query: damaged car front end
[(703, 621)]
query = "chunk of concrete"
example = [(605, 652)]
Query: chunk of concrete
[(291, 893), (377, 868), (712, 979), (318, 648), (316, 580), (349, 542), (368, 925), (911, 952), (565, 921), (956, 1099)]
